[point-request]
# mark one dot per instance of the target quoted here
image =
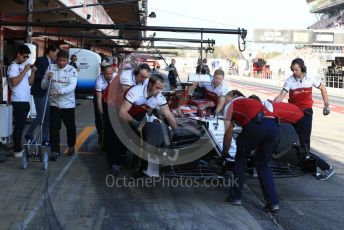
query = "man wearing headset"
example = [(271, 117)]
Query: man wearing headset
[(294, 115), (138, 76), (299, 86)]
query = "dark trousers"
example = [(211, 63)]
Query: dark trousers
[(68, 118), (97, 119), (263, 137), (115, 149), (173, 81), (304, 130), (20, 112), (40, 105)]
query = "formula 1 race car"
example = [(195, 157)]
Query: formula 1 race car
[(193, 149)]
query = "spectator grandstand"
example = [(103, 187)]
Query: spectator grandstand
[(331, 14), (318, 58)]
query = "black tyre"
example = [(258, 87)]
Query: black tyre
[(288, 145)]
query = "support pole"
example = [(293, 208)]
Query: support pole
[(29, 8), (2, 68)]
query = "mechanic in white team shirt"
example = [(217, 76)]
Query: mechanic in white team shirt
[(20, 82), (137, 76), (148, 95), (102, 82), (215, 90)]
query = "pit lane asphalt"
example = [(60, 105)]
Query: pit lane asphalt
[(73, 194), (307, 203), (80, 199)]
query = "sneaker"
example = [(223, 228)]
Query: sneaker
[(231, 201), (273, 208), (3, 158), (71, 151), (19, 154), (54, 156), (325, 174)]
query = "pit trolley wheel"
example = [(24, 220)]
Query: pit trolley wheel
[(24, 159), (45, 160), (44, 154)]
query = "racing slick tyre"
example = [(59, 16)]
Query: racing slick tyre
[(288, 145)]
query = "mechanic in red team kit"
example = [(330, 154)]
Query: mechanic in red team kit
[(299, 86), (259, 131)]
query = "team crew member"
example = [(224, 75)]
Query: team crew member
[(40, 95), (258, 132), (173, 74), (290, 113), (20, 81), (202, 67), (149, 95), (299, 86), (138, 76), (216, 90), (113, 145), (62, 102), (102, 82)]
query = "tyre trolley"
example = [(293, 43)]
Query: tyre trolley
[(34, 150)]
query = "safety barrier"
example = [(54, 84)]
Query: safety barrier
[(262, 74), (334, 80)]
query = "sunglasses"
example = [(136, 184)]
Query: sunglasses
[(26, 56)]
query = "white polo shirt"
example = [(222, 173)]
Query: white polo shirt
[(138, 95), (220, 90), (300, 91), (101, 83), (20, 92), (128, 78)]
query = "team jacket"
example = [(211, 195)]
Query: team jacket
[(64, 81)]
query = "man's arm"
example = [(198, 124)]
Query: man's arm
[(281, 96), (16, 80), (73, 79), (124, 111), (125, 87), (220, 104), (326, 109), (41, 68), (99, 97), (192, 87), (324, 94), (46, 79), (169, 116), (227, 138), (33, 73)]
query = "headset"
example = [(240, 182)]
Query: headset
[(299, 62)]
